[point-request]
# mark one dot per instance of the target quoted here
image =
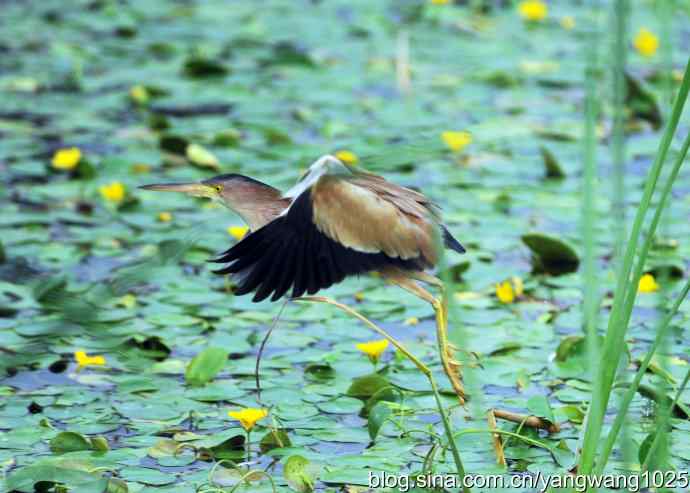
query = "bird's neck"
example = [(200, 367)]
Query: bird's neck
[(255, 202)]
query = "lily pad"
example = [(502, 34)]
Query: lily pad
[(205, 366), (368, 385), (68, 441), (551, 255), (300, 473)]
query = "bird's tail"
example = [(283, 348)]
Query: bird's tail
[(451, 242)]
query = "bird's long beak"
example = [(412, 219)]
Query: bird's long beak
[(193, 189)]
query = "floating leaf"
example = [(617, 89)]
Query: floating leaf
[(164, 447), (641, 102), (232, 448), (538, 405), (173, 144), (551, 255), (300, 474), (386, 394), (197, 66), (377, 416), (655, 463), (100, 444), (288, 53), (574, 413), (116, 485), (275, 438), (553, 169), (205, 366), (47, 473), (227, 138), (69, 441), (202, 157), (319, 372), (680, 410), (570, 346), (366, 386)]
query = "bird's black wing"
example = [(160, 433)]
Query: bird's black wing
[(290, 252)]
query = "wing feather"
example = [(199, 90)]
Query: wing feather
[(364, 215), (291, 252)]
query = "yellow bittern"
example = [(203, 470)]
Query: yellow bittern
[(337, 221)]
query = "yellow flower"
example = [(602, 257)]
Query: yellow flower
[(568, 22), (238, 232), (533, 10), (359, 296), (373, 349), (411, 321), (113, 192), (440, 2), (348, 157), (456, 141), (164, 217), (66, 158), (504, 292), (248, 416), (647, 284), (646, 43), (84, 360), (139, 94)]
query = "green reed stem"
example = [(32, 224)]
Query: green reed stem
[(632, 388), (626, 289), (620, 51), (663, 422), (590, 288)]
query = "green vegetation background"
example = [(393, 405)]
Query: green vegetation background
[(172, 91)]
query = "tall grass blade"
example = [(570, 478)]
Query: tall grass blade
[(590, 288), (627, 398), (620, 17), (626, 289), (663, 422)]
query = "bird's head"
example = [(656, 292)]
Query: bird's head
[(222, 188), (255, 202)]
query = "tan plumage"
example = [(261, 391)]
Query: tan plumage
[(370, 215)]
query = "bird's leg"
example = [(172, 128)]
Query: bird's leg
[(523, 420), (323, 299), (440, 306)]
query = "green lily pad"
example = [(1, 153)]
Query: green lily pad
[(368, 385), (277, 438), (641, 102), (538, 405), (551, 255), (68, 441), (300, 473), (205, 366), (377, 416), (553, 170)]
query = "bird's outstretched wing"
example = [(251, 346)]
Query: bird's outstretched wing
[(339, 226)]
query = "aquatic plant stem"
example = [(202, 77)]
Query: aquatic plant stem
[(620, 51), (663, 422), (590, 288), (627, 398), (626, 288)]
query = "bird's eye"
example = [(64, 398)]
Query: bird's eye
[(219, 188)]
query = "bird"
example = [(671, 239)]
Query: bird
[(337, 221)]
